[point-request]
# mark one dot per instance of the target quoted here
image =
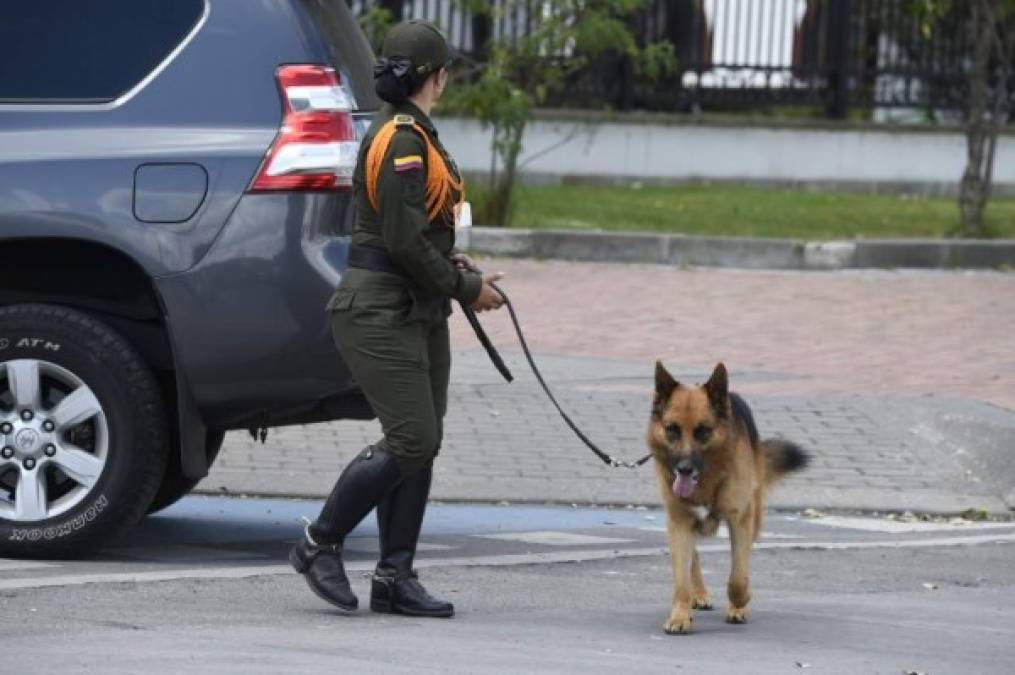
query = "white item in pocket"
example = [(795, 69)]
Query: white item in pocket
[(463, 216)]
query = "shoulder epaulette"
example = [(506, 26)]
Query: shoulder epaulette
[(404, 120)]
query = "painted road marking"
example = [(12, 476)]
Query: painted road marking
[(548, 557), (724, 533), (549, 538), (180, 553), (370, 545), (11, 565), (898, 527)]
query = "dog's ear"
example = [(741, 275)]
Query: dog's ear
[(665, 386), (717, 389)]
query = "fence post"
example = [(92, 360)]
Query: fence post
[(625, 86), (393, 6), (482, 30), (840, 28)]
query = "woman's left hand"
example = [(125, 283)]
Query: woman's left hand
[(463, 262)]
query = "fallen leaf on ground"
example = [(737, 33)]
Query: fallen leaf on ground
[(930, 586)]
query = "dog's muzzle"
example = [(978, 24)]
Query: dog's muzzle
[(685, 476)]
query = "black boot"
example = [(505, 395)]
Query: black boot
[(318, 555), (395, 588), (321, 565)]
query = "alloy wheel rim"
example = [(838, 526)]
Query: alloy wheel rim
[(54, 440)]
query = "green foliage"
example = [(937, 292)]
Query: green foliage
[(495, 100), (929, 13), (599, 32), (742, 210), (520, 74), (657, 60), (375, 21), (991, 52)]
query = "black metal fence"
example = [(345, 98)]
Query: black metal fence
[(829, 55)]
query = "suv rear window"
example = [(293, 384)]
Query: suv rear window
[(84, 51)]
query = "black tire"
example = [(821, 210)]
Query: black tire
[(174, 485), (135, 419)]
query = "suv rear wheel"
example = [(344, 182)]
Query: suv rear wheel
[(83, 432)]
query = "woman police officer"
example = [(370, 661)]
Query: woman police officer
[(389, 320)]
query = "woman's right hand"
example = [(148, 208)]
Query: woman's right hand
[(489, 298)]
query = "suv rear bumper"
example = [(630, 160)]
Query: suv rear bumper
[(249, 327)]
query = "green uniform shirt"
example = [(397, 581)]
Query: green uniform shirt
[(400, 226)]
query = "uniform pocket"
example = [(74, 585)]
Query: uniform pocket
[(341, 300)]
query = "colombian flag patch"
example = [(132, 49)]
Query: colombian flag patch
[(408, 163)]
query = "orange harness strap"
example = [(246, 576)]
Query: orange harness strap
[(443, 191)]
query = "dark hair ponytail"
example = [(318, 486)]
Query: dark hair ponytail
[(395, 80)]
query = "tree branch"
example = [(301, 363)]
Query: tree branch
[(550, 148)]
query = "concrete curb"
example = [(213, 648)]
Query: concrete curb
[(741, 252)]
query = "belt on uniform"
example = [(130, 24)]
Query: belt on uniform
[(374, 259), (377, 260), (365, 257)]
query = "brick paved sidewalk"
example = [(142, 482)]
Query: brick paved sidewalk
[(946, 334), (861, 368)]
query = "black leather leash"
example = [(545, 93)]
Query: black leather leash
[(377, 260), (484, 340), (495, 357)]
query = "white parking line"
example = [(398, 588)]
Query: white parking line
[(897, 526), (11, 565), (179, 553), (544, 558), (724, 533), (548, 538), (370, 545)]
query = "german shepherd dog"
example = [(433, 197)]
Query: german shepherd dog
[(711, 467)]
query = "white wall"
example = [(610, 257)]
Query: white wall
[(680, 152)]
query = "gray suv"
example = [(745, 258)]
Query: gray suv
[(174, 205)]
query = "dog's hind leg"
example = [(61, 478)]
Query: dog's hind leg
[(681, 536), (701, 599), (739, 589), (759, 513)]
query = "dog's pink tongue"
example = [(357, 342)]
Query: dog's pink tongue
[(683, 486)]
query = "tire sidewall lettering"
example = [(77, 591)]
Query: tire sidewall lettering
[(63, 529), (29, 342)]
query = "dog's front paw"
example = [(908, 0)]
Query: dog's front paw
[(679, 623), (702, 602), (736, 615)]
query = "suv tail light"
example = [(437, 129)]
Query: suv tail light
[(316, 147)]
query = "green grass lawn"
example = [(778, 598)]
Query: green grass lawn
[(741, 211)]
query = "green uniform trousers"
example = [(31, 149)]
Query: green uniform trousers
[(401, 362)]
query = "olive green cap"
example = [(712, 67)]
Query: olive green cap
[(420, 42)]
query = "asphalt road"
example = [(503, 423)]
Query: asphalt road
[(203, 588)]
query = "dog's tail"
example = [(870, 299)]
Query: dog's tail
[(782, 457)]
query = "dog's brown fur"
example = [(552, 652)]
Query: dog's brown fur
[(710, 428)]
